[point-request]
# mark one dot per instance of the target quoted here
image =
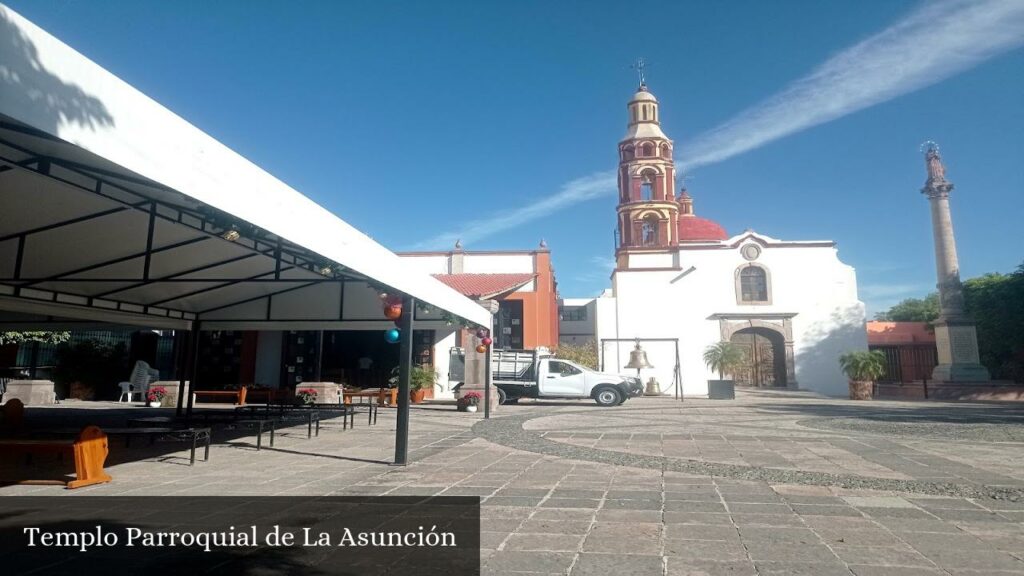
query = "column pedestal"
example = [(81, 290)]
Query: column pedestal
[(956, 343)]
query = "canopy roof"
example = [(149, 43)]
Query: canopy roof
[(116, 209)]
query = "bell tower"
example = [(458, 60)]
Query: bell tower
[(648, 213)]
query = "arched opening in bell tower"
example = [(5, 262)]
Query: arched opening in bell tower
[(649, 231)]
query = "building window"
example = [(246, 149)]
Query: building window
[(574, 313), (753, 284), (648, 150), (649, 231), (645, 191)]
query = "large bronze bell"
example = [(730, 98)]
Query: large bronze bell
[(638, 358)]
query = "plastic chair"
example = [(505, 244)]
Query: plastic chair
[(142, 376)]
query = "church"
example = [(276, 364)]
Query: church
[(682, 282)]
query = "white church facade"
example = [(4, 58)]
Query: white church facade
[(681, 283)]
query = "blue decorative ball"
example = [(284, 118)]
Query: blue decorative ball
[(393, 335)]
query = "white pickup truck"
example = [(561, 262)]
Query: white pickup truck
[(538, 374)]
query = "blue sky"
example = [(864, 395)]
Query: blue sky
[(422, 121)]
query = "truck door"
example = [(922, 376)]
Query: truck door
[(562, 379)]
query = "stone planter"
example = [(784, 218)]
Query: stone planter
[(861, 389), (721, 390)]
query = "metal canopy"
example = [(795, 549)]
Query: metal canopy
[(114, 209)]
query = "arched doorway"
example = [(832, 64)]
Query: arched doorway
[(764, 354)]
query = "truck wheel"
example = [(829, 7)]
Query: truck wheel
[(502, 397), (608, 397)]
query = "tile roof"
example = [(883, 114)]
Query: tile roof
[(484, 286)]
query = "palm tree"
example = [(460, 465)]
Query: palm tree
[(723, 357), (863, 365)]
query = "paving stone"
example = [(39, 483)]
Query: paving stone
[(777, 534), (772, 551), (591, 564), (706, 550), (531, 561), (544, 542), (824, 510), (570, 503), (878, 502), (881, 556), (862, 570), (696, 518), (748, 508), (632, 505), (678, 566), (686, 506), (783, 520), (700, 532), (534, 526), (975, 560), (605, 515), (801, 569)]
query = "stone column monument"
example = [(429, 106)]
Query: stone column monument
[(476, 373), (955, 336)]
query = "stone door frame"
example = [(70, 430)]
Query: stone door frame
[(781, 324)]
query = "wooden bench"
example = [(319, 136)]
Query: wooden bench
[(89, 450), (266, 395), (239, 395)]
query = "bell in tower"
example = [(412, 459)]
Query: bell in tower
[(648, 211)]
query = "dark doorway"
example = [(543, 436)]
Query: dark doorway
[(764, 354), (508, 329)]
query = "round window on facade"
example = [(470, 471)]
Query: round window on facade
[(751, 251)]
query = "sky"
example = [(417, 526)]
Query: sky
[(497, 122)]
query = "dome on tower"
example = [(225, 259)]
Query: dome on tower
[(642, 95), (693, 228)]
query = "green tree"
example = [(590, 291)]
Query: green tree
[(724, 358), (583, 354), (42, 337), (996, 302), (913, 310)]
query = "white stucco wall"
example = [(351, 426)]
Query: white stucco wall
[(428, 264), (486, 263), (807, 281)]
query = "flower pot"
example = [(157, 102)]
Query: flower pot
[(416, 396), (152, 403), (861, 389), (471, 408), (721, 390)]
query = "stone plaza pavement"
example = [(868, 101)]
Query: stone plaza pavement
[(771, 483)]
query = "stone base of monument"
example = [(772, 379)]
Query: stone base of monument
[(959, 373), (494, 396), (991, 390), (31, 392)]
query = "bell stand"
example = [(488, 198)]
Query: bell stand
[(677, 374)]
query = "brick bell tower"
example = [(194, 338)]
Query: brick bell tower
[(648, 213)]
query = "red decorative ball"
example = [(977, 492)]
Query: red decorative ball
[(481, 349), (486, 341), (393, 311)]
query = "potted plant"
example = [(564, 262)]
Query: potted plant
[(468, 402), (863, 368), (420, 380), (724, 358), (155, 396), (305, 396)]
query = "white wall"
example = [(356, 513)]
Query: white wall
[(808, 281), (428, 264), (497, 263)]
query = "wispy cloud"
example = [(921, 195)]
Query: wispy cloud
[(937, 41), (578, 190), (932, 43)]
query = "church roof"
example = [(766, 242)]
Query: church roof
[(696, 229), (485, 286)]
